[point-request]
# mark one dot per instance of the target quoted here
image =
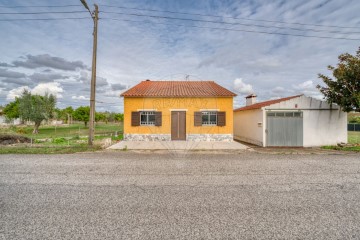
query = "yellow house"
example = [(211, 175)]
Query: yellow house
[(178, 110)]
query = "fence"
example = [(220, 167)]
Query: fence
[(354, 127)]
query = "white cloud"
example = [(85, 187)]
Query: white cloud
[(42, 88), (278, 90), (307, 85), (16, 92), (51, 88), (308, 88), (242, 87), (79, 98)]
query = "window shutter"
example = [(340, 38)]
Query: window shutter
[(197, 119), (135, 118), (221, 119), (158, 119)]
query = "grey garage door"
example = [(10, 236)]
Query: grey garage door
[(284, 129)]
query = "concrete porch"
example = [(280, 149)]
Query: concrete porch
[(178, 145)]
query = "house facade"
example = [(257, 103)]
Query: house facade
[(178, 110), (296, 121)]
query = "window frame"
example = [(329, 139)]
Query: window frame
[(147, 114), (209, 114)]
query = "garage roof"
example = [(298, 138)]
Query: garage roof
[(178, 89), (266, 103)]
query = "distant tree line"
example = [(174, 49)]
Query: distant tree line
[(354, 119), (36, 108), (82, 114)]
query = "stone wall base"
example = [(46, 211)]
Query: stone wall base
[(147, 137), (210, 137), (189, 137)]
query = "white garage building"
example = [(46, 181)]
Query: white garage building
[(292, 121)]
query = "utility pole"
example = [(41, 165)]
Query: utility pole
[(95, 17), (93, 79)]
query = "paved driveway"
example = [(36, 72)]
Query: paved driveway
[(128, 195)]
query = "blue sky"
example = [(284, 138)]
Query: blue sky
[(55, 56)]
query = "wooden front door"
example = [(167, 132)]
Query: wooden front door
[(178, 125)]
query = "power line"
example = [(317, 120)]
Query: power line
[(218, 16), (228, 23), (179, 25), (186, 19), (36, 13), (41, 6), (236, 30), (107, 102), (185, 13), (41, 19)]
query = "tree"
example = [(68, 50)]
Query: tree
[(82, 114), (11, 110), (107, 117), (119, 117), (58, 114), (64, 114), (99, 116), (344, 89), (111, 117), (354, 119), (36, 108), (68, 110)]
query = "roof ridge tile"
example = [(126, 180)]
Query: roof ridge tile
[(149, 88)]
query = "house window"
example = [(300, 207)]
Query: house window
[(147, 118), (209, 118)]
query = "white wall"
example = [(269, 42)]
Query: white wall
[(302, 102), (321, 127), (324, 127), (246, 126), (3, 121)]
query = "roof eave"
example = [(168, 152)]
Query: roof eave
[(197, 96)]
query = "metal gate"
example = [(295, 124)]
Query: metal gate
[(284, 129)]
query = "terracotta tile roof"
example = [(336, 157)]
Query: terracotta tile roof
[(178, 89), (266, 103)]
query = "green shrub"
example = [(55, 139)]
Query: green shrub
[(354, 119), (21, 131), (77, 137), (13, 128), (59, 140), (118, 138)]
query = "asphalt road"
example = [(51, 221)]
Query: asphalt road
[(127, 195)]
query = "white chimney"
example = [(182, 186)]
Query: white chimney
[(251, 99)]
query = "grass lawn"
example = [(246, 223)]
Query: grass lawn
[(74, 130), (354, 137), (60, 139), (355, 148), (48, 149)]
